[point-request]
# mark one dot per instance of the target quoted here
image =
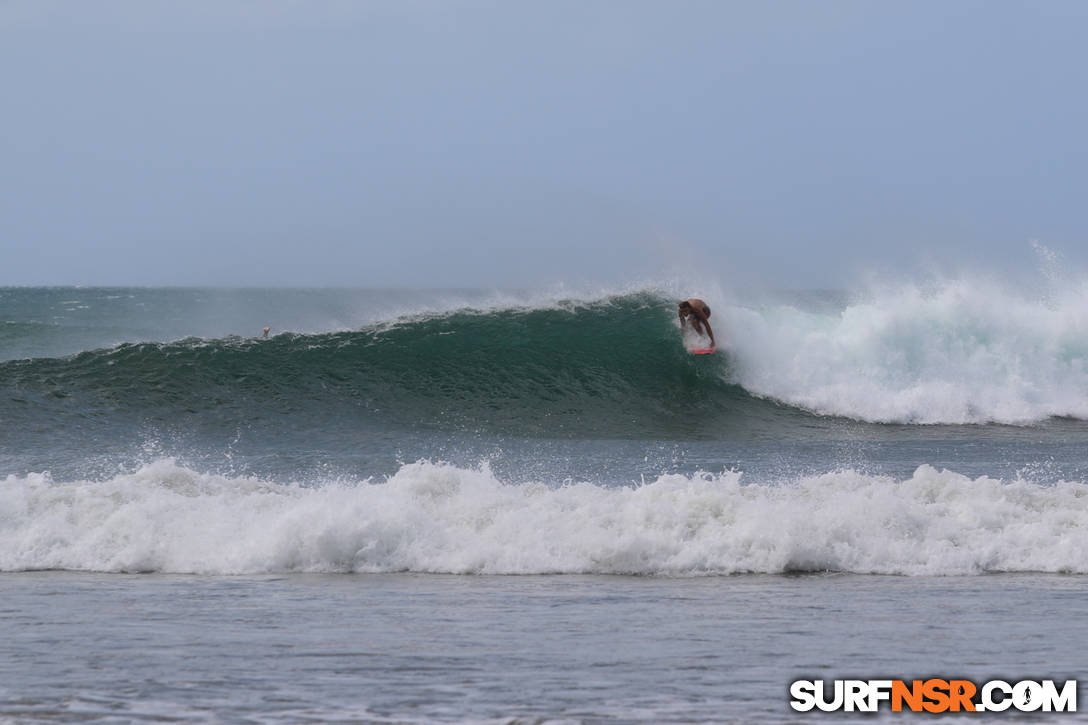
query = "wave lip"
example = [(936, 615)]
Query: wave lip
[(437, 518)]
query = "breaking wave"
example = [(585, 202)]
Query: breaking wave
[(432, 517)]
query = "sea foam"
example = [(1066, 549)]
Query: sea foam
[(431, 517), (952, 352)]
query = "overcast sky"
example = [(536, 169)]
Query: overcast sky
[(521, 143)]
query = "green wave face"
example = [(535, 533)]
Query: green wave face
[(614, 368)]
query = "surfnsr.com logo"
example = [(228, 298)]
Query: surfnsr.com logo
[(933, 695)]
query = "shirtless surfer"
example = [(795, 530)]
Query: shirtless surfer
[(696, 311)]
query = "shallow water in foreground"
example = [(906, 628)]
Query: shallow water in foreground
[(395, 648)]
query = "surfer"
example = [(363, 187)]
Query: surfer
[(697, 312), (265, 333)]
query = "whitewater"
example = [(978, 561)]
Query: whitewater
[(434, 518), (957, 352)]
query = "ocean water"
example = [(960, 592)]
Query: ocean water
[(482, 506)]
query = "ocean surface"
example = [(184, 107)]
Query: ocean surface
[(412, 506)]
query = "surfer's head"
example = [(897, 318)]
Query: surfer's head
[(685, 305)]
